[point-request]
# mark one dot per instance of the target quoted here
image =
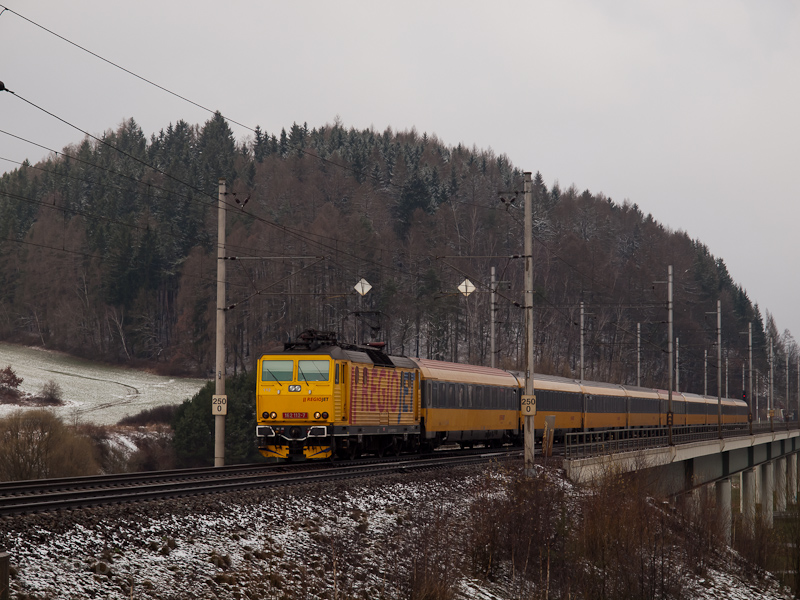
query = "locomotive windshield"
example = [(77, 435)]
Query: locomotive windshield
[(313, 370), (277, 370)]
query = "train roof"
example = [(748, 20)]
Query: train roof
[(365, 356), (461, 373)]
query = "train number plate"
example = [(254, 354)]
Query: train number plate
[(295, 415)]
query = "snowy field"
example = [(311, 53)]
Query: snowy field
[(93, 392)]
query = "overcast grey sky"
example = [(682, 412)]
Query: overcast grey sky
[(691, 109)]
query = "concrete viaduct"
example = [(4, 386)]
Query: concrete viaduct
[(765, 462)]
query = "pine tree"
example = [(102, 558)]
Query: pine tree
[(260, 149)]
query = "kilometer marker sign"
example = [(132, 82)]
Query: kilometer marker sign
[(528, 405), (219, 405)]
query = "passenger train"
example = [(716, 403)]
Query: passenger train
[(319, 398)]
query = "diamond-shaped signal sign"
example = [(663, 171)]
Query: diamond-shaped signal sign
[(466, 287), (363, 286)]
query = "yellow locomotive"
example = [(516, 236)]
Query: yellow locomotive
[(318, 398)]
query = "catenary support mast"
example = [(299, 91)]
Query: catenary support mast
[(219, 419), (529, 389)]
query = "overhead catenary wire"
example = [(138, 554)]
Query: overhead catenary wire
[(128, 71), (163, 88), (209, 110)]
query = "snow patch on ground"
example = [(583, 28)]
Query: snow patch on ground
[(92, 392), (346, 540)]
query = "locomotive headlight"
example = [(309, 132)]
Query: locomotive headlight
[(317, 415), (265, 415), (273, 415), (324, 415)]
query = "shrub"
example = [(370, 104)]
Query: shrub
[(35, 444), (154, 454), (163, 414), (194, 425), (51, 393), (9, 379)]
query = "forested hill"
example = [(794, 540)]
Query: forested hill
[(109, 251)]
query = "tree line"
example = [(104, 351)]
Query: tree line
[(109, 251)]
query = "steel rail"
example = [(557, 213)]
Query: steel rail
[(138, 491), (64, 483)]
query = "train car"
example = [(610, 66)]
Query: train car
[(606, 406), (466, 404), (734, 411), (317, 398), (561, 398), (696, 409), (643, 407)]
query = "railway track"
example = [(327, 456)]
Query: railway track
[(80, 492)]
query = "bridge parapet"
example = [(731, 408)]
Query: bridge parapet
[(669, 470)]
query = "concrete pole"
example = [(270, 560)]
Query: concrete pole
[(787, 385), (791, 472), (780, 484), (750, 389), (727, 391), (719, 367), (770, 399), (705, 372), (677, 364), (723, 489), (529, 389), (767, 493), (748, 501), (639, 357), (582, 341), (756, 396), (493, 314), (669, 353), (219, 420)]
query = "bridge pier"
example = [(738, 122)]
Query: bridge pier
[(724, 507), (780, 484), (792, 478), (767, 492), (748, 501)]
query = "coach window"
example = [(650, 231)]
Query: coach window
[(460, 396), (336, 376)]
